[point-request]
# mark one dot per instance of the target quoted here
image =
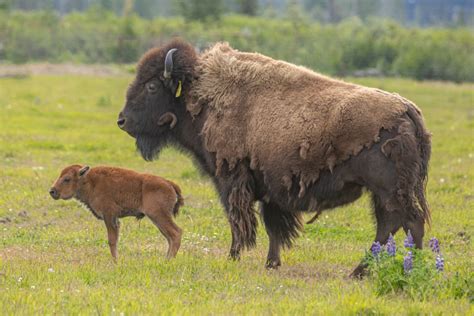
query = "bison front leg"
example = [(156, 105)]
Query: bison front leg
[(242, 220), (282, 227), (236, 245), (237, 193), (238, 198), (244, 231)]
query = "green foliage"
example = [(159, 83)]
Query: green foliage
[(385, 46), (104, 101), (389, 276), (126, 50), (248, 7), (462, 286), (29, 36), (203, 10), (5, 5), (422, 282)]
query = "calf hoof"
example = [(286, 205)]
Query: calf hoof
[(359, 272), (272, 264)]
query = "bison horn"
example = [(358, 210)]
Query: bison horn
[(169, 63), (168, 117)]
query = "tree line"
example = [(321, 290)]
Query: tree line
[(407, 12), (377, 46)]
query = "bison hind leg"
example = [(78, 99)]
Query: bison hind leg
[(407, 151), (389, 221), (396, 178)]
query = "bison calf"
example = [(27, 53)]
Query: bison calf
[(111, 193)]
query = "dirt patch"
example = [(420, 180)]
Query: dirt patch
[(15, 252), (25, 70), (5, 220)]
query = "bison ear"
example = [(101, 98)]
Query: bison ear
[(168, 118), (83, 170), (174, 84)]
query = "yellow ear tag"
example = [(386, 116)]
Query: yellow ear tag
[(178, 90)]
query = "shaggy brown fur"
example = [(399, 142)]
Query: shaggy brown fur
[(326, 120), (112, 193), (294, 140)]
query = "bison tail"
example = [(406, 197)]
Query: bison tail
[(423, 138), (179, 199), (411, 151)]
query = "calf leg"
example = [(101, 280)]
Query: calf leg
[(169, 229), (282, 227), (113, 228)]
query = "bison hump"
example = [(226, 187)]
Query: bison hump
[(285, 119)]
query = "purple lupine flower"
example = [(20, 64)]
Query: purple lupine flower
[(391, 246), (434, 245), (409, 241), (376, 249), (408, 262), (439, 262)]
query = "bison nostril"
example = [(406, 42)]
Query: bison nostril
[(121, 122), (53, 192)]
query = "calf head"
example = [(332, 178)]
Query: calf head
[(66, 186), (155, 99)]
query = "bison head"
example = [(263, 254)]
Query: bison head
[(155, 99)]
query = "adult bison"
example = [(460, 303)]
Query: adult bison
[(294, 140)]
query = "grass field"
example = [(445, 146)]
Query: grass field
[(54, 257)]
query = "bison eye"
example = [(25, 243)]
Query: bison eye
[(152, 87), (67, 180)]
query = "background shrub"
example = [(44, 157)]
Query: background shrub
[(99, 36)]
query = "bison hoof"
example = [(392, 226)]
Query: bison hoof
[(234, 255), (359, 272), (272, 264)]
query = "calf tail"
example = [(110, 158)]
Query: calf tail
[(179, 198)]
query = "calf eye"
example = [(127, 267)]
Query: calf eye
[(67, 180), (151, 87)]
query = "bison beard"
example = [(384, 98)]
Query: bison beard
[(149, 146)]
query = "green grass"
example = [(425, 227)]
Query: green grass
[(54, 257)]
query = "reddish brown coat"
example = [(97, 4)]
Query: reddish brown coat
[(111, 193)]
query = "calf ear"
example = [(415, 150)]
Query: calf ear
[(83, 170)]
